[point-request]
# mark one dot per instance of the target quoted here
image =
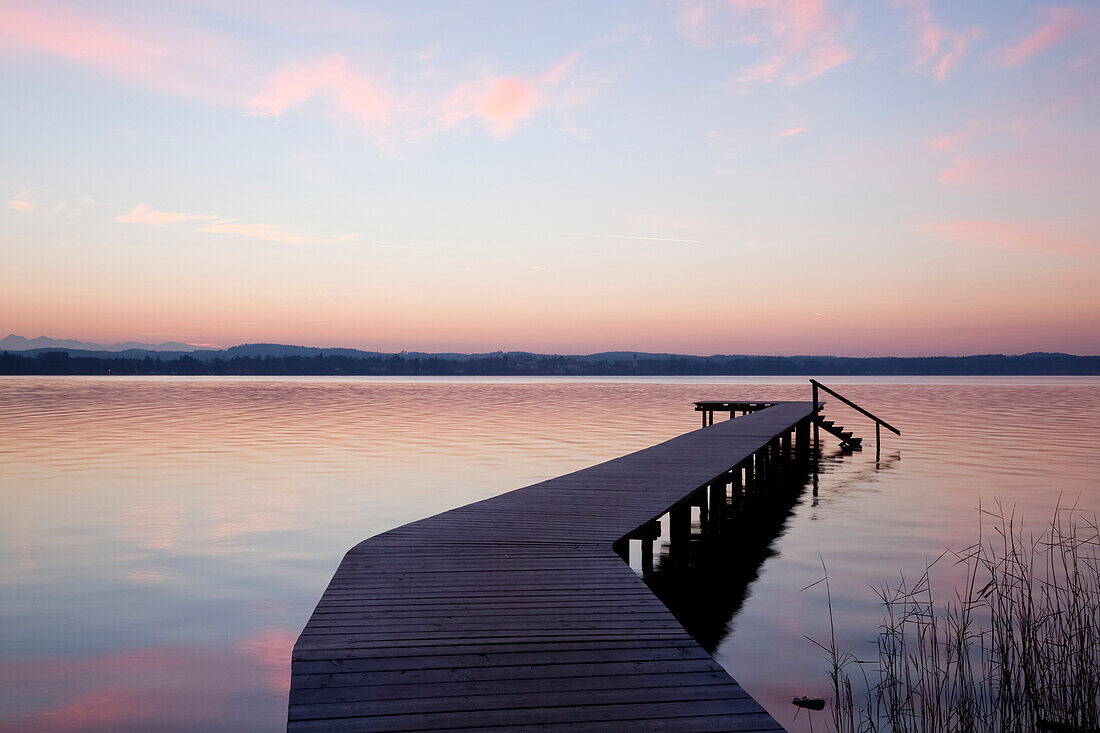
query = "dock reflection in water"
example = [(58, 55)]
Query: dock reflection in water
[(706, 591)]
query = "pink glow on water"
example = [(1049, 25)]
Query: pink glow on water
[(168, 538)]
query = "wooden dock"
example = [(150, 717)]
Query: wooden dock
[(518, 612)]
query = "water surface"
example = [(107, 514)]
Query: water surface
[(164, 540)]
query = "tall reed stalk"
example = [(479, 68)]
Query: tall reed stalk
[(1016, 649)]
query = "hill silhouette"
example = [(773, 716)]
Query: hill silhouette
[(281, 359)]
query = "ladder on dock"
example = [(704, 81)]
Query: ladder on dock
[(847, 438)]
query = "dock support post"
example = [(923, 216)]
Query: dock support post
[(699, 499), (801, 440), (679, 531), (736, 494), (717, 504), (648, 534)]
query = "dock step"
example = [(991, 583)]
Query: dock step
[(847, 438)]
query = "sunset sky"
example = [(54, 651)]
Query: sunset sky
[(739, 176)]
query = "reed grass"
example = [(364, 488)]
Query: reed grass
[(1017, 647)]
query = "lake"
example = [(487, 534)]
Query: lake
[(164, 540)]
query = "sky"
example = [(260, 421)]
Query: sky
[(916, 177)]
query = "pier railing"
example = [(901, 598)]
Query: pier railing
[(879, 422)]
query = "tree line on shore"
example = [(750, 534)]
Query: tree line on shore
[(504, 364)]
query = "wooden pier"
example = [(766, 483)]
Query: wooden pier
[(518, 612)]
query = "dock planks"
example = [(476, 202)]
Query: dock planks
[(515, 613)]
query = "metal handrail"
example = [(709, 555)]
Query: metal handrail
[(851, 404)]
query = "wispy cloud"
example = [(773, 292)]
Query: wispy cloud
[(939, 48), (428, 52), (165, 51), (1061, 24), (962, 169), (313, 18), (22, 202), (352, 94), (157, 54), (502, 104), (1012, 236), (272, 233), (143, 214), (792, 131), (35, 200), (634, 236), (800, 37)]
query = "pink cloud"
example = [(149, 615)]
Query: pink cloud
[(954, 139), (1012, 236), (939, 48), (35, 200), (560, 71), (692, 21), (1061, 24), (163, 56), (272, 233), (820, 60), (352, 94), (767, 71), (143, 214), (22, 202), (799, 35), (1043, 160), (507, 103), (320, 18), (961, 170), (791, 132), (504, 104)]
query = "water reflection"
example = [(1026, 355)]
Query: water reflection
[(162, 687), (164, 540), (706, 592)]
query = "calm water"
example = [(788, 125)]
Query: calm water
[(164, 540)]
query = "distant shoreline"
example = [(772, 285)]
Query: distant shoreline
[(272, 360)]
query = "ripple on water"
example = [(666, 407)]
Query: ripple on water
[(159, 528)]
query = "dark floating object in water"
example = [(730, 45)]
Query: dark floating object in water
[(1050, 726), (810, 703)]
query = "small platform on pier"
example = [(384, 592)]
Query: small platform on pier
[(518, 612)]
